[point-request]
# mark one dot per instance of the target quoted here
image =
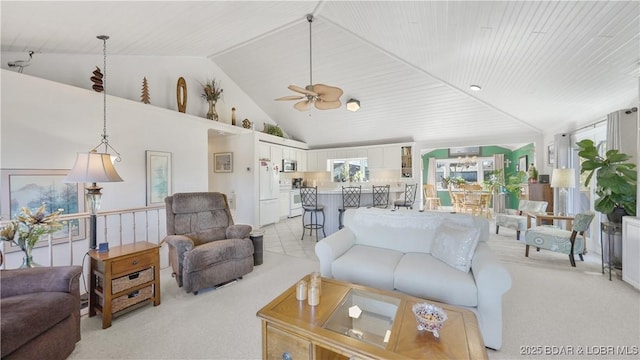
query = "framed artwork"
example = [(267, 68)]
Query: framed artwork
[(30, 188), (523, 163), (158, 176), (223, 162), (551, 154)]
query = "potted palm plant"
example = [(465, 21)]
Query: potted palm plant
[(616, 180)]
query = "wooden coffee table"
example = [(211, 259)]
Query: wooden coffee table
[(292, 329)]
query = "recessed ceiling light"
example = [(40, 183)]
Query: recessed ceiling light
[(475, 88)]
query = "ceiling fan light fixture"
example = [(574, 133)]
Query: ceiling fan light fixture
[(475, 88), (353, 105)]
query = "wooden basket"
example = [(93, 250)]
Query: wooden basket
[(131, 280), (124, 301)]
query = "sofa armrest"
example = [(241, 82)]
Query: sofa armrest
[(332, 247), (488, 271), (493, 281), (40, 279), (238, 231)]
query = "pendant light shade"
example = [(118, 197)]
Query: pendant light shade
[(93, 167)]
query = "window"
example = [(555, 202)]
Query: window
[(470, 171), (355, 170)]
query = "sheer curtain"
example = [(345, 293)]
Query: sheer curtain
[(498, 199), (613, 131), (431, 173)]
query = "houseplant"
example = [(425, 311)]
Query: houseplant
[(27, 228), (616, 180), (212, 93)]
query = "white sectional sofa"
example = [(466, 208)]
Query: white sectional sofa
[(431, 255)]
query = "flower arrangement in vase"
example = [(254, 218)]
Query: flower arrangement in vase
[(212, 93), (27, 228)]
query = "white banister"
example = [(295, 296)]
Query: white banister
[(13, 255)]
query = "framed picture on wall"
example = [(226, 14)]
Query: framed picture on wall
[(31, 188), (223, 162), (158, 176), (523, 163), (551, 154)]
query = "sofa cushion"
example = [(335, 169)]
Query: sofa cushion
[(455, 245), (206, 255), (24, 317), (367, 265), (424, 276)]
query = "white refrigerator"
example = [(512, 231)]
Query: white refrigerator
[(269, 192)]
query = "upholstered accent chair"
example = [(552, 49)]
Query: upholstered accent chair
[(560, 240), (515, 219), (205, 247)]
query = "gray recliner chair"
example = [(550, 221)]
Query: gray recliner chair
[(205, 247)]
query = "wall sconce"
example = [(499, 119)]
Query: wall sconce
[(353, 105)]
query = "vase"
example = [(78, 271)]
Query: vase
[(212, 114), (27, 260)]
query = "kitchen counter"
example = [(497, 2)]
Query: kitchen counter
[(331, 198)]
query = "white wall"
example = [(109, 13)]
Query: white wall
[(125, 74), (242, 183)]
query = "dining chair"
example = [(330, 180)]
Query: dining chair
[(409, 197), (350, 200), (380, 196), (431, 200), (456, 199)]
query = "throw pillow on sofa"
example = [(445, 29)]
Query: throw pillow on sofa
[(455, 245)]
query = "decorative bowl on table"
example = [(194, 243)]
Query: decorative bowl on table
[(429, 317)]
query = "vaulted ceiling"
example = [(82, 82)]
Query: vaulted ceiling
[(543, 66)]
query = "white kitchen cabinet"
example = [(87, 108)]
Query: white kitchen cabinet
[(276, 156), (323, 156), (312, 161), (264, 151), (301, 158), (631, 251), (286, 153), (392, 157), (375, 158)]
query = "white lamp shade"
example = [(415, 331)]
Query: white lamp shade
[(93, 167), (563, 178)]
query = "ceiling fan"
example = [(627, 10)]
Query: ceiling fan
[(323, 97)]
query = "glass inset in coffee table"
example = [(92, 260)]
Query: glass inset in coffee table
[(374, 320)]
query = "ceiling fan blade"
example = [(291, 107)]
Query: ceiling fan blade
[(290, 97), (302, 105), (328, 93), (327, 105), (301, 90)]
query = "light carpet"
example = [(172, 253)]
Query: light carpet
[(550, 308)]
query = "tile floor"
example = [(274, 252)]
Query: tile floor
[(284, 238)]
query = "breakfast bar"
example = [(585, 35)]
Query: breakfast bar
[(331, 199)]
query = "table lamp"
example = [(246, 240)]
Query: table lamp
[(563, 179)]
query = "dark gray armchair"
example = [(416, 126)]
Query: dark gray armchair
[(205, 247), (40, 312)]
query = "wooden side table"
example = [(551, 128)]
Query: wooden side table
[(123, 279)]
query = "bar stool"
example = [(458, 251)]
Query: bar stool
[(350, 200), (409, 197), (381, 196), (309, 199)]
